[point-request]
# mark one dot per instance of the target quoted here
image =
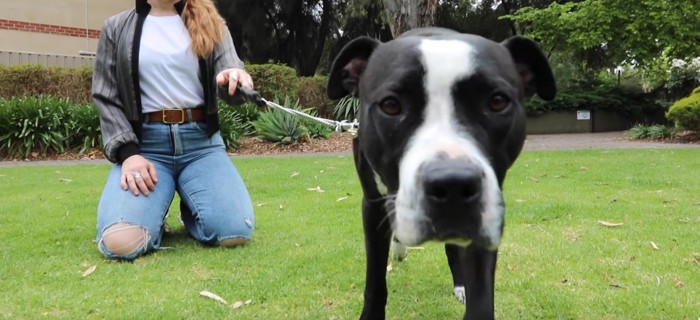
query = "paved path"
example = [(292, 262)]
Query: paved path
[(601, 140)]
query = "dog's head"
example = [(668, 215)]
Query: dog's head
[(441, 121)]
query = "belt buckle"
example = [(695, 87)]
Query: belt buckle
[(165, 117)]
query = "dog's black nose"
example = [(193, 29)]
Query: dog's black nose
[(452, 182)]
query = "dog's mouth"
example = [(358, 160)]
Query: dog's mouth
[(450, 201), (465, 230)]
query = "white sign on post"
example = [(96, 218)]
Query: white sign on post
[(583, 115)]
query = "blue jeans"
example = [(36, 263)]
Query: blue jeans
[(215, 204)]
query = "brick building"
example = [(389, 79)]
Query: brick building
[(54, 27)]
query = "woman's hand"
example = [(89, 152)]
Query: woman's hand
[(139, 175), (233, 77)]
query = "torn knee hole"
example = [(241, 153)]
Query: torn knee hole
[(125, 238)]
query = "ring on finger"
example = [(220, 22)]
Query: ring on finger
[(136, 175)]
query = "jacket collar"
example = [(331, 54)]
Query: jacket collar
[(142, 7)]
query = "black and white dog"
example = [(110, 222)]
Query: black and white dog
[(441, 121)]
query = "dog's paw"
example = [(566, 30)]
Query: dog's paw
[(460, 294), (398, 250)]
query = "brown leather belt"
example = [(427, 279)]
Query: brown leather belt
[(176, 115)]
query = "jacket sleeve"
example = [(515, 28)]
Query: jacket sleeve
[(225, 57), (118, 137)]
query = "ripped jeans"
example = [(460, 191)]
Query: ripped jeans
[(215, 204)]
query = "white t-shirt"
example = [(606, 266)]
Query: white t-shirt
[(168, 68)]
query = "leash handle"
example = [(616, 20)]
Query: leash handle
[(249, 95)]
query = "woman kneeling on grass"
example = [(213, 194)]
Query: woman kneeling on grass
[(158, 69)]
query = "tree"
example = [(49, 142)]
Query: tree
[(506, 7), (478, 18), (409, 14), (293, 32), (608, 33)]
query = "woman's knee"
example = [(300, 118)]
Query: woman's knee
[(233, 242), (124, 240)]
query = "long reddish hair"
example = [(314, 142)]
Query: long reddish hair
[(205, 25)]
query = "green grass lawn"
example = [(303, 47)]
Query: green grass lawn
[(557, 260)]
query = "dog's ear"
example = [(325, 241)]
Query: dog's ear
[(533, 67), (349, 66)]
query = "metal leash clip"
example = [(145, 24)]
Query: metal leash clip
[(348, 126)]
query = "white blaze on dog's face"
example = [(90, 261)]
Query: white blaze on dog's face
[(440, 135)]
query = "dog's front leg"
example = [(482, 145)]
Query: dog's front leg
[(377, 239), (480, 269), (455, 259)]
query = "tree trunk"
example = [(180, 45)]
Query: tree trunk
[(408, 14)]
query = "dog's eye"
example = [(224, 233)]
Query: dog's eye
[(499, 102), (390, 106)]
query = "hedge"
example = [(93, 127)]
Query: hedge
[(594, 97), (685, 113), (36, 80), (272, 81)]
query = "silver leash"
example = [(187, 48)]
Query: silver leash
[(339, 126)]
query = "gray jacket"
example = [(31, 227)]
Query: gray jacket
[(115, 86)]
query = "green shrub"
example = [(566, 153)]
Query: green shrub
[(685, 113), (274, 80), (37, 80), (248, 112), (312, 95), (660, 132), (83, 128), (235, 122), (596, 96), (656, 132), (33, 123), (346, 108), (280, 126), (315, 128), (695, 91), (638, 131)]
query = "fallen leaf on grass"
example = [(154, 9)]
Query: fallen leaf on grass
[(653, 245), (211, 295), (680, 285), (697, 219), (584, 169), (610, 224), (89, 271), (341, 199), (389, 267), (294, 174), (65, 180), (317, 189), (237, 304)]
